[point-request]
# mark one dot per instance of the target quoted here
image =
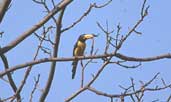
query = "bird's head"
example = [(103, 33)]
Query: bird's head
[(84, 37)]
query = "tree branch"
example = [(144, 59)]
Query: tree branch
[(118, 55), (11, 81), (134, 92), (55, 54), (30, 67), (35, 87), (3, 8), (85, 14), (89, 83), (35, 27)]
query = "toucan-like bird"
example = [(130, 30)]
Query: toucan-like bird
[(79, 49)]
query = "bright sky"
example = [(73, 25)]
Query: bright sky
[(154, 40)]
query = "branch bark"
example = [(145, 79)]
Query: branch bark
[(4, 4)]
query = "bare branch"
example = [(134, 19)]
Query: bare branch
[(3, 8), (169, 98), (84, 66), (6, 100), (53, 3), (129, 33), (149, 82), (30, 67), (107, 33), (127, 93), (85, 14), (35, 86), (55, 54), (99, 92), (11, 81), (118, 55), (127, 58), (38, 2), (143, 6), (45, 33), (27, 33), (125, 66), (75, 94), (89, 83), (103, 5)]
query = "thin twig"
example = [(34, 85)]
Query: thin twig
[(35, 86), (85, 14)]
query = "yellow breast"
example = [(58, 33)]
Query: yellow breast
[(79, 50)]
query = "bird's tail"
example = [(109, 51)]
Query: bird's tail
[(74, 64)]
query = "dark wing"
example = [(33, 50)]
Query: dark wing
[(74, 63), (75, 46)]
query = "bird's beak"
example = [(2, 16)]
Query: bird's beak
[(90, 36), (95, 35)]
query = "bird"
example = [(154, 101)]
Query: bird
[(79, 48)]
